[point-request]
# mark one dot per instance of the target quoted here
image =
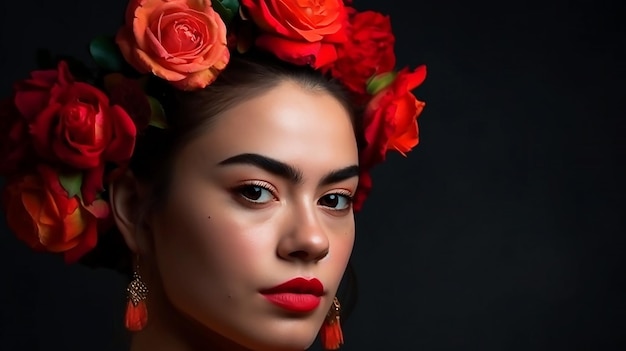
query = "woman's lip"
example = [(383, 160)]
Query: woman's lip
[(294, 302), (296, 295), (298, 285)]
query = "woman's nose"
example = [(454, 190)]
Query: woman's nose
[(304, 239)]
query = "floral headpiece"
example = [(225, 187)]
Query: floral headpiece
[(68, 130)]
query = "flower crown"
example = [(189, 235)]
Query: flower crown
[(68, 130)]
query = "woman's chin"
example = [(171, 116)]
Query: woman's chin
[(289, 336)]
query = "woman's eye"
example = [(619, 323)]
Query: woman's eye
[(256, 194), (336, 201)]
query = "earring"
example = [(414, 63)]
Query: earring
[(136, 310), (331, 334)]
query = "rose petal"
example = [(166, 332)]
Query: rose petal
[(412, 79), (44, 78), (73, 225), (65, 76), (291, 51), (124, 40), (157, 69), (89, 239), (379, 128), (18, 219), (99, 209), (326, 55), (180, 45), (40, 129), (197, 80), (148, 12), (267, 23), (77, 155), (30, 102), (122, 143), (410, 138), (92, 184)]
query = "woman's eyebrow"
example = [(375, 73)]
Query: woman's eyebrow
[(286, 171), (339, 175), (268, 164)]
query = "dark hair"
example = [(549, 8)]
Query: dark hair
[(188, 114)]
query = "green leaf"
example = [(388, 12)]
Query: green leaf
[(72, 183), (379, 82), (232, 5), (226, 9), (106, 53), (157, 117)]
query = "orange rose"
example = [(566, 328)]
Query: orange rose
[(40, 213), (181, 41), (390, 119), (300, 31)]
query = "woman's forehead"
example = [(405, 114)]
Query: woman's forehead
[(287, 123)]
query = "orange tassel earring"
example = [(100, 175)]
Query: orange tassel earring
[(331, 333), (136, 310)]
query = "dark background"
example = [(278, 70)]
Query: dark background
[(503, 230)]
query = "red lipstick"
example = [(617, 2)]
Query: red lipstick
[(296, 295)]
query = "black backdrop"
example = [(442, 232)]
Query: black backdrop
[(504, 229)]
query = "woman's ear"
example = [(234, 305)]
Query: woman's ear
[(125, 198)]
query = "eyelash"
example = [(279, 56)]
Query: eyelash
[(267, 187), (345, 194), (239, 190)]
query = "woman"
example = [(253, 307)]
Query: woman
[(218, 153)]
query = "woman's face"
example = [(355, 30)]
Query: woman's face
[(258, 200)]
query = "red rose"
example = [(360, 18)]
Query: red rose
[(73, 123), (390, 122), (390, 118), (40, 213), (299, 32), (368, 51)]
